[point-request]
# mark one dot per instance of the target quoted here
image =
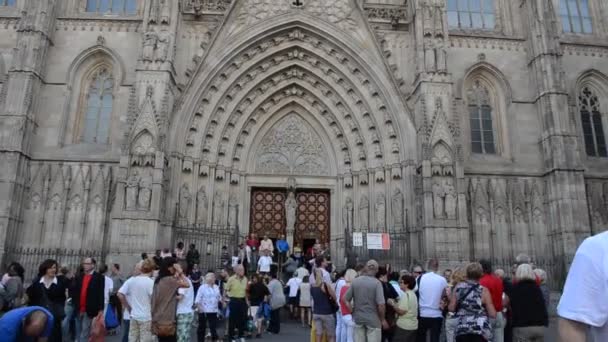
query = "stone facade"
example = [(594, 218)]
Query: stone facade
[(202, 101)]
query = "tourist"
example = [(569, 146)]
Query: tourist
[(117, 282), (431, 287), (207, 301), (447, 274), (282, 248), (347, 330), (166, 253), (277, 301), (389, 314), (266, 245), (529, 312), (47, 291), (407, 311), (185, 311), (225, 257), (305, 302), (264, 262), (254, 244), (417, 271), (294, 285), (582, 308), (394, 281), (107, 288), (193, 257), (320, 262), (164, 299), (302, 271), (195, 277), (179, 252), (12, 284), (323, 297), (472, 305), (257, 295), (136, 297), (289, 268), (451, 321), (89, 299), (236, 288), (541, 275), (235, 261), (340, 282), (368, 306), (27, 324), (495, 287)]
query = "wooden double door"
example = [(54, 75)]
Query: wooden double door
[(267, 214)]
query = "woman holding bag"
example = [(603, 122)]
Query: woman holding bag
[(164, 299), (323, 308), (48, 292)]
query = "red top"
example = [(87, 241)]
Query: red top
[(83, 292), (494, 285), (343, 309), (253, 243)]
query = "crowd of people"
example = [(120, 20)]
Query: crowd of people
[(167, 297)]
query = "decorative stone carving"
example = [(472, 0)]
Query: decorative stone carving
[(150, 41), (364, 212), (132, 192), (380, 211), (145, 194), (165, 12), (154, 11), (432, 11), (201, 206), (290, 212), (184, 202), (347, 215), (218, 208), (163, 46), (438, 199), (233, 206), (397, 207), (451, 199), (292, 147), (384, 13), (435, 55)]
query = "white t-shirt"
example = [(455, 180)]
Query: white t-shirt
[(107, 290), (302, 272), (235, 262), (294, 285), (138, 291), (264, 263), (184, 306), (431, 289), (586, 289), (208, 298)]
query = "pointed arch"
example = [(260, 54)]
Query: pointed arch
[(591, 94), (487, 97)]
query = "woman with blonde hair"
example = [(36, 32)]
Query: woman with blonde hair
[(347, 328), (322, 309), (529, 313), (458, 276), (207, 301)]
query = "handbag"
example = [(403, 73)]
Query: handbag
[(332, 302), (111, 319), (164, 329)]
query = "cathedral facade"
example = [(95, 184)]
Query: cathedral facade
[(463, 129)]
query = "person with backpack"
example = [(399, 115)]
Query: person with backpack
[(277, 301), (472, 305), (11, 288)]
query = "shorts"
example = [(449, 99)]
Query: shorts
[(295, 301), (253, 310), (325, 324)]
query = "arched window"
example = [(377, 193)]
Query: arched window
[(575, 16), (7, 2), (98, 108), (591, 120), (481, 119), (124, 7), (471, 14)]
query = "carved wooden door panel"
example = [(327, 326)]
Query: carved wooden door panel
[(312, 216), (268, 212)]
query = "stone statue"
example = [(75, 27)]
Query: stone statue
[(347, 216), (440, 55), (438, 200), (438, 10), (153, 18), (201, 206), (233, 205), (184, 202), (428, 12), (218, 208), (364, 212), (145, 194), (132, 192), (380, 210), (165, 12), (397, 207), (290, 211), (150, 40), (451, 200), (162, 49)]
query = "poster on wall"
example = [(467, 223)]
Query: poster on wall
[(378, 241), (357, 239)]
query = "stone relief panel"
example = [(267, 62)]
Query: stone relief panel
[(292, 147), (202, 206)]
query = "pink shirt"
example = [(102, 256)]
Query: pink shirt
[(343, 309)]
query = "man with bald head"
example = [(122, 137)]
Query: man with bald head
[(236, 290), (27, 324)]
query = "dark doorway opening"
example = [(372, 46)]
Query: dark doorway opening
[(308, 244)]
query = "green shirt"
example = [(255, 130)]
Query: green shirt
[(236, 288), (409, 303)]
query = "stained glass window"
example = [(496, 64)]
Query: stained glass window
[(96, 126), (591, 120), (476, 14), (481, 120), (575, 15)]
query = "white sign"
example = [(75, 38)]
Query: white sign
[(357, 239), (378, 241)]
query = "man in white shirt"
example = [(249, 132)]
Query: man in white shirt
[(185, 312), (264, 262), (431, 287), (136, 297), (582, 308)]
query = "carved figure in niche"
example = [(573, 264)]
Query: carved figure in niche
[(364, 212), (153, 18), (290, 211), (218, 208), (201, 206), (145, 194), (440, 55), (184, 202), (438, 10), (347, 216), (150, 40), (451, 200), (428, 12), (380, 210), (132, 192), (165, 12), (163, 45), (397, 207), (232, 210), (438, 199)]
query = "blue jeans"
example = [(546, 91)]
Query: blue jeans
[(66, 322), (125, 330)]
